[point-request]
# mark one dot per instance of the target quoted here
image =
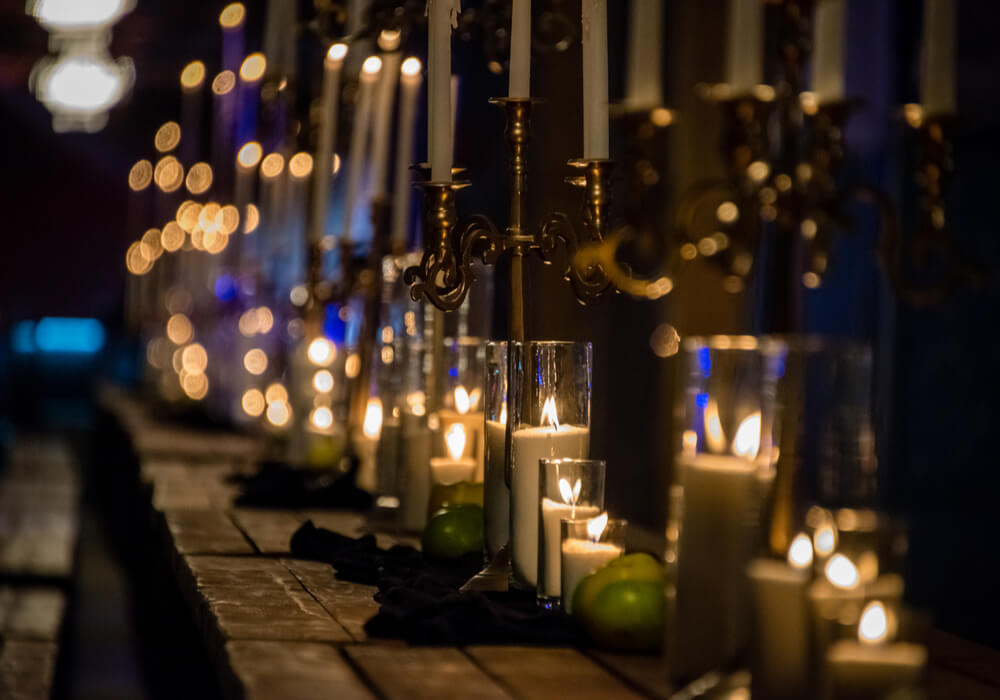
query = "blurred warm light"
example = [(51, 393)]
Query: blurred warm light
[(336, 53), (253, 219), (323, 381), (230, 219), (179, 329), (387, 355), (140, 176), (727, 212), (67, 15), (689, 442), (279, 413), (868, 566), (352, 365), (875, 625), (746, 442), (208, 217), (187, 216), (336, 164), (416, 400), (659, 288), (265, 319), (79, 89), (714, 437), (841, 572), (758, 171), (321, 352), (232, 15), (155, 351), (253, 67), (248, 323), (689, 251), (168, 174), (322, 417), (167, 137), (194, 359), (223, 83), (411, 67), (249, 154), (199, 178), (255, 361), (373, 418), (914, 114), (387, 334), (276, 393), (299, 295), (272, 165), (300, 165), (371, 67), (215, 242), (135, 261), (462, 402), (810, 280), (193, 75), (809, 102), (661, 116), (455, 439), (388, 39), (195, 386), (800, 552), (253, 402), (150, 244), (825, 540)]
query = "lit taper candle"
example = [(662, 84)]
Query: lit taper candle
[(386, 96), (332, 69), (359, 139), (520, 49), (409, 83), (595, 79)]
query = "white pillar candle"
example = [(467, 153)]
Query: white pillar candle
[(332, 69), (520, 49), (550, 537), (409, 82), (496, 495), (581, 558), (937, 76), (415, 486), (595, 79), (365, 448), (529, 446), (828, 51), (780, 648), (359, 140), (441, 14), (717, 539), (387, 458), (475, 447), (644, 84), (744, 60), (860, 671), (383, 121), (449, 470)]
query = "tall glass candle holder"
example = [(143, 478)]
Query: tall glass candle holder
[(569, 489), (587, 545), (552, 414), (722, 474), (496, 485)]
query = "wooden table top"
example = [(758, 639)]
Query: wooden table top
[(279, 627)]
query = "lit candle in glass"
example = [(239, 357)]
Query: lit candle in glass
[(366, 444), (587, 545)]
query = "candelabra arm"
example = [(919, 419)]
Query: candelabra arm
[(440, 278)]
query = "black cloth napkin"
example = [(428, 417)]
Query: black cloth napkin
[(420, 598), (279, 485)]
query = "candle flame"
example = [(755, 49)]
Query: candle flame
[(454, 438), (714, 436), (595, 526), (825, 540), (321, 352), (549, 414), (410, 67), (570, 494), (841, 572), (747, 441), (800, 552), (689, 441), (874, 625), (462, 400), (373, 418), (372, 65), (337, 52), (503, 414)]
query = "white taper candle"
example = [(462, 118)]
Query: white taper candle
[(595, 79), (520, 49)]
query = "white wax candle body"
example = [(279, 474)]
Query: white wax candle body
[(581, 558), (780, 658), (744, 60), (937, 77), (387, 458), (447, 470), (868, 671), (359, 151), (644, 86), (325, 144), (828, 51), (721, 498), (383, 121), (415, 481), (520, 49), (409, 89), (549, 538), (529, 446), (439, 138), (366, 448), (496, 495), (595, 79)]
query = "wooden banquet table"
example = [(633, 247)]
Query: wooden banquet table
[(278, 627)]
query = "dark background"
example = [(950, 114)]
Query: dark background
[(63, 238)]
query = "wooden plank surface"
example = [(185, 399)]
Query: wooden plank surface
[(177, 484), (424, 673), (648, 673), (549, 672), (270, 530), (351, 604), (27, 669), (292, 671), (204, 532), (31, 613)]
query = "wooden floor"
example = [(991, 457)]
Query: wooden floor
[(278, 627)]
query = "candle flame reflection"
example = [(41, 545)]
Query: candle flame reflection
[(462, 400), (595, 526), (841, 572), (373, 418), (503, 414), (714, 436), (570, 494), (746, 443), (875, 623), (455, 439), (549, 414), (800, 552)]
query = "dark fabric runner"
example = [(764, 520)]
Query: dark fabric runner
[(278, 485)]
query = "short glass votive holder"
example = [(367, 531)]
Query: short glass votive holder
[(551, 419), (569, 489), (496, 483), (586, 545)]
